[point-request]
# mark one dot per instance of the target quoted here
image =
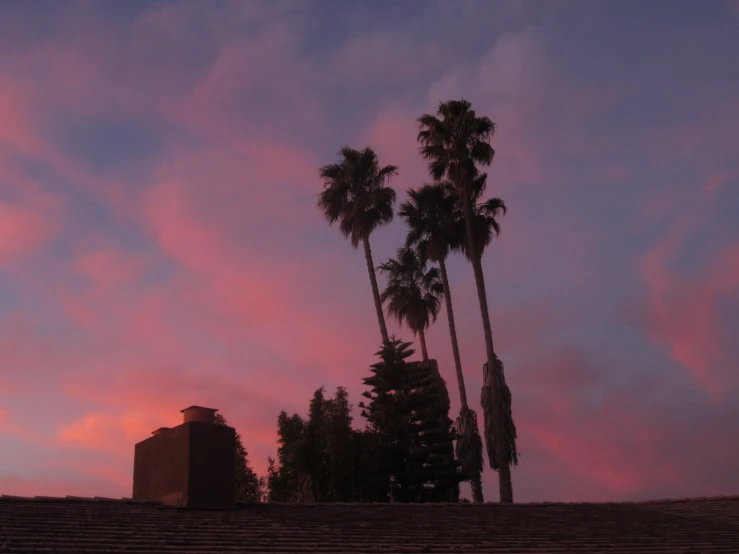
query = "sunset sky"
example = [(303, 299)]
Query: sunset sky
[(160, 244)]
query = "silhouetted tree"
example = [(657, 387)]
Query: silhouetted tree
[(433, 218), (437, 434), (276, 486), (455, 141), (409, 413), (485, 227), (249, 488), (315, 455), (371, 467), (357, 196), (329, 434), (413, 293), (340, 447), (287, 474)]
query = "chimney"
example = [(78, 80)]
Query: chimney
[(188, 466)]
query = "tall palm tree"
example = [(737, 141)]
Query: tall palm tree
[(455, 141), (355, 193), (413, 293), (433, 220), (485, 227)]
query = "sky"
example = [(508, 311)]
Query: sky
[(160, 244)]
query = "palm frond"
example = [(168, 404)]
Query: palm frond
[(469, 443), (431, 215), (508, 424), (413, 292), (482, 153), (356, 194), (455, 140), (485, 224), (493, 206), (478, 186)]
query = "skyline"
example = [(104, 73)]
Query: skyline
[(160, 244)]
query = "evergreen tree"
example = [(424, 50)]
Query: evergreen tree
[(316, 457), (409, 413), (436, 226), (288, 476), (276, 488), (437, 432), (249, 487), (339, 447), (370, 467), (317, 462)]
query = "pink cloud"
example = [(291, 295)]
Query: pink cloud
[(21, 231), (7, 426), (17, 122), (105, 431), (245, 291), (393, 136), (605, 432), (108, 268), (598, 460), (138, 400), (681, 313), (20, 486)]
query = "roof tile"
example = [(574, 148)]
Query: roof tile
[(72, 524)]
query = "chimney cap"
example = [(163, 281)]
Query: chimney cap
[(199, 413), (214, 410)]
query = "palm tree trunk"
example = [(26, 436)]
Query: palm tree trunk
[(476, 485), (475, 475), (375, 290), (501, 448), (453, 333), (422, 340)]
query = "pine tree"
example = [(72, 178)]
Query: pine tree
[(248, 485), (409, 413), (287, 480), (316, 456)]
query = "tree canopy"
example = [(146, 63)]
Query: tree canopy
[(249, 487), (408, 410)]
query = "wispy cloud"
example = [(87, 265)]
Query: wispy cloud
[(160, 244)]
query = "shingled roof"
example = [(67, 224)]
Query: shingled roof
[(103, 525)]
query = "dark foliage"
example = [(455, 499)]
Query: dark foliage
[(249, 487), (509, 427), (319, 458), (408, 411), (413, 292), (355, 193)]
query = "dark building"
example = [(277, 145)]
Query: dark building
[(183, 501), (188, 466)]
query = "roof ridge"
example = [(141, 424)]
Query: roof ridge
[(70, 498), (428, 504)]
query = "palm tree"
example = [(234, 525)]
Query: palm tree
[(454, 143), (413, 293), (433, 220), (485, 227), (355, 193)]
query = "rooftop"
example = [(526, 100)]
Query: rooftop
[(72, 524)]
